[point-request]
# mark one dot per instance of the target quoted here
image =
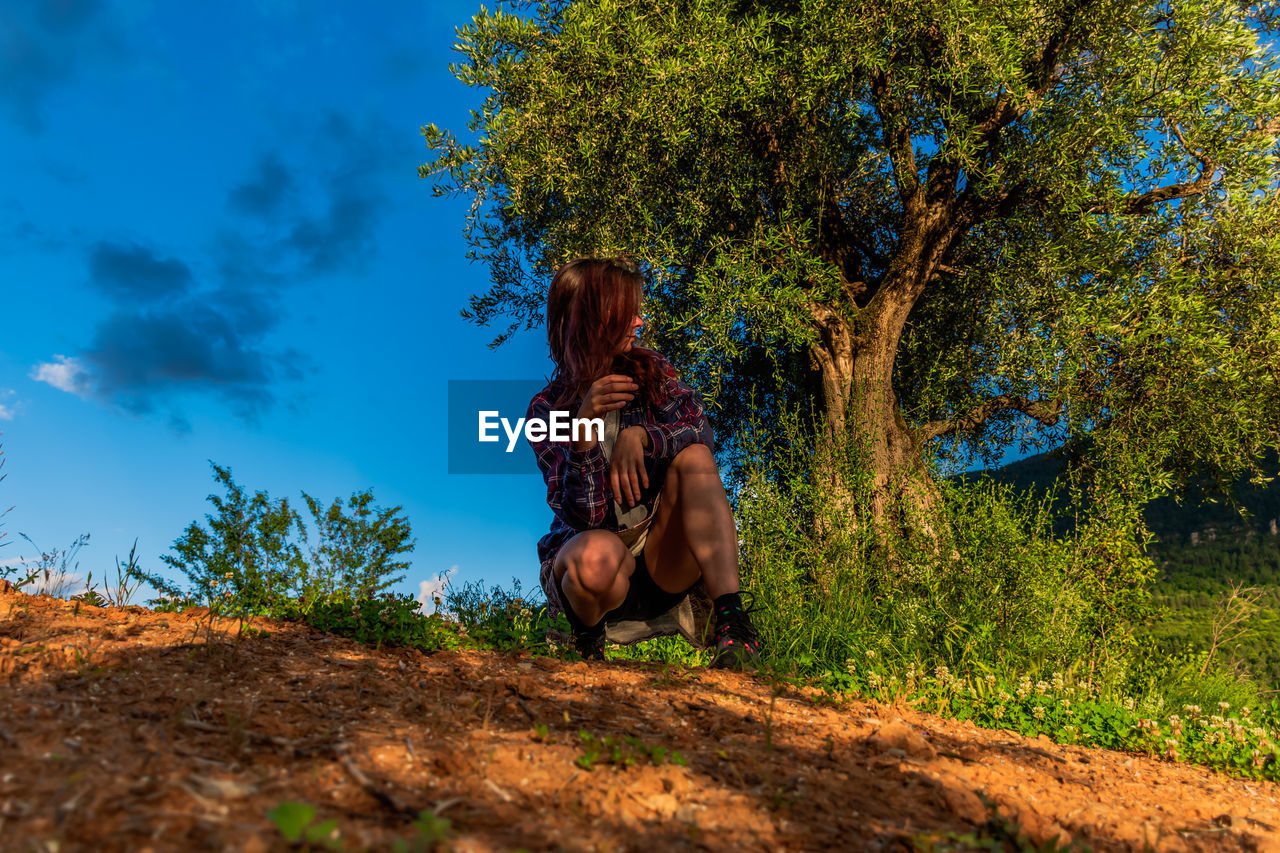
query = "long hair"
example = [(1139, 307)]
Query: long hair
[(590, 306)]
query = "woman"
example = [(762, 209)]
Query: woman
[(642, 516)]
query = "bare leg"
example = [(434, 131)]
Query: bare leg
[(694, 533), (594, 572)]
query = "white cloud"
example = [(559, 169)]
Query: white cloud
[(66, 374), (428, 591), (6, 411)]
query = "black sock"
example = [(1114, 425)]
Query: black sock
[(580, 628)]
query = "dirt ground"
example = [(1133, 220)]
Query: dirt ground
[(122, 729)]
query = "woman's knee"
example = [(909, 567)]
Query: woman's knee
[(696, 458), (595, 564)]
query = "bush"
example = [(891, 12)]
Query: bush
[(385, 619), (502, 620), (249, 559)]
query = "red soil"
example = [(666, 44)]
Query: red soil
[(122, 729)]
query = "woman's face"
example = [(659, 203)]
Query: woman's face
[(636, 323)]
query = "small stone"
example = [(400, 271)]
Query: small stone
[(898, 735)]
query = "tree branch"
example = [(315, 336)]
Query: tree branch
[(897, 140), (1044, 411)]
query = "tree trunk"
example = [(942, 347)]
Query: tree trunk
[(866, 436)]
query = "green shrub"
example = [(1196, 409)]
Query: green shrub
[(248, 560), (501, 620), (385, 619), (354, 549)]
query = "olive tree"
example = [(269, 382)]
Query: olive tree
[(950, 224)]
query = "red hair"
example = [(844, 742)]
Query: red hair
[(590, 306)]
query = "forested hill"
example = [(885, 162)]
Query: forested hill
[(1196, 519), (1205, 551)]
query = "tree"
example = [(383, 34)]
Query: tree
[(251, 557), (950, 224)]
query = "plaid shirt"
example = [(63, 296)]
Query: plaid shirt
[(578, 489)]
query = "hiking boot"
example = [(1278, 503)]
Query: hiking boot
[(737, 645), (590, 643)]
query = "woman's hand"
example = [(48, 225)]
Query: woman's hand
[(605, 394), (627, 475)]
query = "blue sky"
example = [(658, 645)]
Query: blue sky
[(216, 246)]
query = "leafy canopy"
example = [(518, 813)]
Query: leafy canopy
[(1058, 209)]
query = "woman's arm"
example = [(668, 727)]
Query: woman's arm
[(681, 422), (577, 481)]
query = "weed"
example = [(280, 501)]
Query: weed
[(430, 831), (296, 822), (53, 572), (622, 752)]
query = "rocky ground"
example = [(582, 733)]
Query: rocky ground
[(123, 729)]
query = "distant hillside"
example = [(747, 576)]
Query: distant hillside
[(1197, 519), (1202, 548)]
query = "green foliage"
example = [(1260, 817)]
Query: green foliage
[(243, 563), (1070, 709), (128, 579), (1003, 590), (1195, 582), (249, 561), (430, 832), (296, 822), (355, 548), (626, 751), (386, 619), (502, 620), (1096, 229), (673, 651)]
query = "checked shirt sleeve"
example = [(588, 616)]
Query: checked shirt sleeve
[(681, 422), (577, 483)]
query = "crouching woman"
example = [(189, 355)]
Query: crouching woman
[(641, 517)]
